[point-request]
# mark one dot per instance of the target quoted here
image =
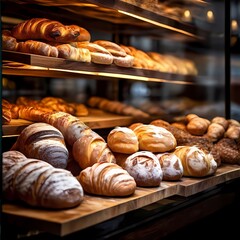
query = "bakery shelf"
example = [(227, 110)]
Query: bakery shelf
[(97, 119), (108, 14), (96, 209), (55, 67)]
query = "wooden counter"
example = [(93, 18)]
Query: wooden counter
[(94, 210)]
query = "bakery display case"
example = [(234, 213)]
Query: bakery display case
[(135, 62)]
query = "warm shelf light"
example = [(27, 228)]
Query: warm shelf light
[(158, 24), (234, 25), (210, 16), (187, 16)]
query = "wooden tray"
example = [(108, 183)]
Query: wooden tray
[(94, 210)]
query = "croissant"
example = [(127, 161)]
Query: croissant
[(91, 148), (196, 163), (45, 29), (44, 142), (38, 183), (37, 47), (107, 179)]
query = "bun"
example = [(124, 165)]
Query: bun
[(45, 29), (36, 47), (44, 142), (154, 139), (91, 148), (171, 166), (122, 140), (99, 54), (38, 183), (197, 125), (107, 179), (196, 163), (145, 168)]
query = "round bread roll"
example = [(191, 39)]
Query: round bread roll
[(171, 166), (122, 140), (145, 168), (154, 139), (196, 163)]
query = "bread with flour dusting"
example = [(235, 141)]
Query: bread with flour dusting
[(145, 168), (196, 163), (171, 166), (38, 183)]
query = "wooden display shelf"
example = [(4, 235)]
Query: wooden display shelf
[(97, 119), (55, 67), (96, 209)]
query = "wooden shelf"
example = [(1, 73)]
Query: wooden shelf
[(96, 209), (55, 67), (97, 119)]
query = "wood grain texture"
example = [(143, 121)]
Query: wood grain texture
[(95, 209)]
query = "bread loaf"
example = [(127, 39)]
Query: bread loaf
[(122, 140), (171, 166), (145, 168), (45, 29), (196, 163), (154, 139), (67, 51), (37, 47), (38, 183), (6, 112), (120, 57), (44, 142), (91, 148), (107, 179), (8, 41), (99, 54)]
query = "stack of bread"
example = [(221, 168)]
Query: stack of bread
[(51, 38)]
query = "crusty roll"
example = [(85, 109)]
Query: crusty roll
[(38, 183), (99, 54), (197, 125), (67, 51), (45, 29), (154, 139), (37, 47), (145, 168), (171, 166), (8, 41), (122, 140), (91, 148), (196, 163), (84, 35), (107, 179), (120, 57), (44, 142)]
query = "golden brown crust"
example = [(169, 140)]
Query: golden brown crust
[(8, 41), (37, 47), (122, 140), (107, 179), (155, 139), (45, 29)]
